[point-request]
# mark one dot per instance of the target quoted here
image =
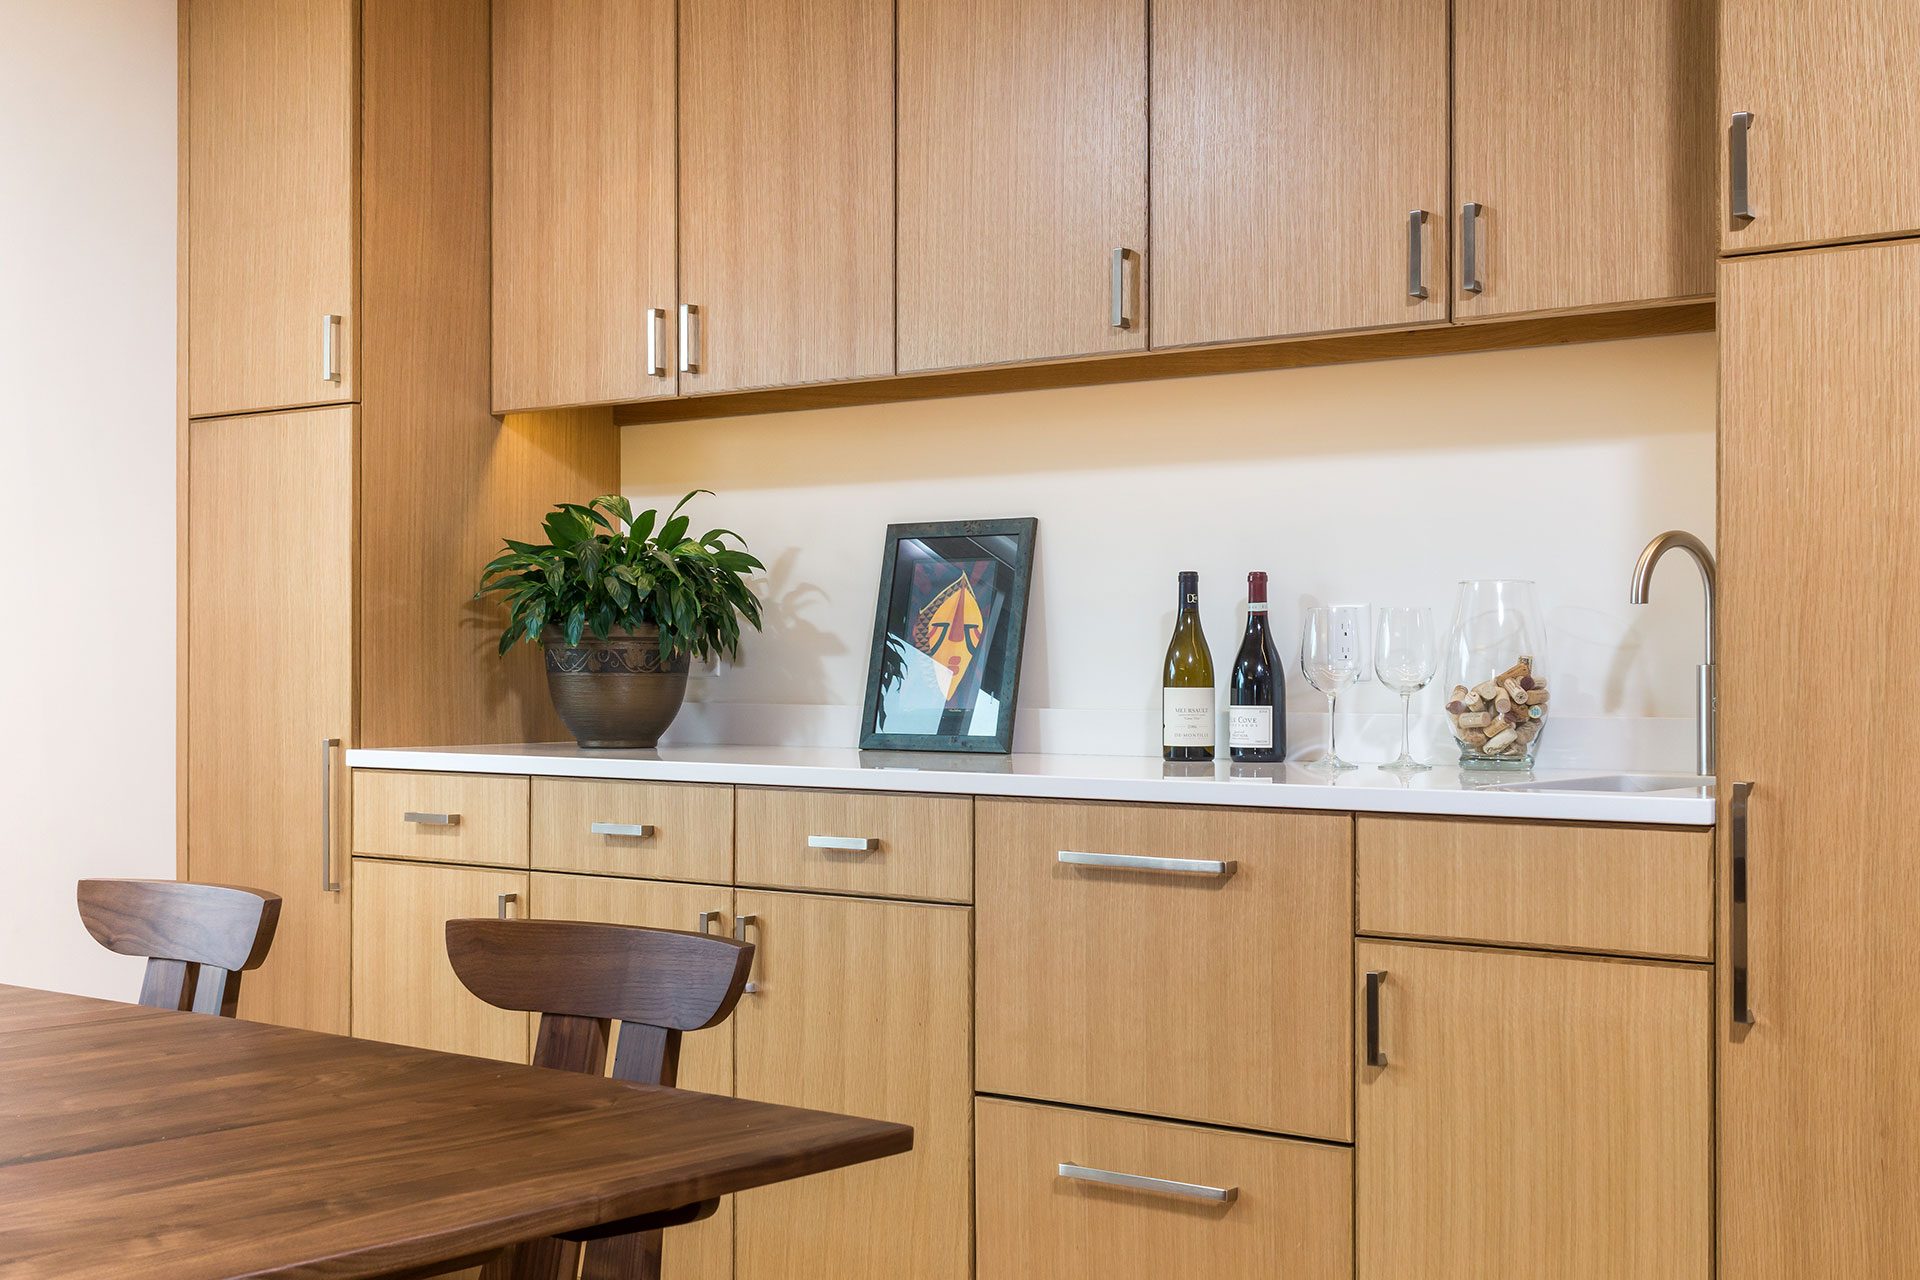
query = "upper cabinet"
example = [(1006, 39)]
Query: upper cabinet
[(786, 191), (583, 202), (272, 102), (1582, 137), (1023, 180), (1817, 104), (1299, 168)]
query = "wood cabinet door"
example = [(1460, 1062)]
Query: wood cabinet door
[(270, 592), (1537, 1116), (1831, 147), (1819, 1142), (1584, 133), (700, 1250), (862, 1007), (786, 190), (273, 109), (1023, 167), (404, 988), (583, 202), (1291, 142)]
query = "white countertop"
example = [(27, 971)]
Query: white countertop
[(1445, 790)]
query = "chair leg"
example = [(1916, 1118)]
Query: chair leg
[(628, 1257), (547, 1259)]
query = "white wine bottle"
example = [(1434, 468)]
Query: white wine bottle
[(1186, 692)]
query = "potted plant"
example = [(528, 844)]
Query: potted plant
[(622, 607)]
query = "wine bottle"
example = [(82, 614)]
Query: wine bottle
[(1257, 694), (1186, 693)]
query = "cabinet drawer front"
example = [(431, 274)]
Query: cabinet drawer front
[(1220, 997), (440, 817), (1291, 1211), (874, 845), (1561, 886), (656, 830)]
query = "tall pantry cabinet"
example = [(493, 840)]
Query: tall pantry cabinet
[(335, 273)]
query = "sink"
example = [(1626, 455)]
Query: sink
[(1626, 783)]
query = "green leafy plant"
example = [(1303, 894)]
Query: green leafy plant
[(603, 569)]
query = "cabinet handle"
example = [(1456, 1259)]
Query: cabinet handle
[(1137, 1182), (327, 882), (1737, 197), (505, 899), (1469, 247), (704, 919), (740, 924), (1120, 320), (1375, 978), (1416, 272), (639, 830), (432, 819), (689, 336), (854, 844), (329, 348), (1134, 862), (656, 334), (1737, 904)]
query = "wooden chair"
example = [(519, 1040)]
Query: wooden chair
[(580, 978), (198, 938)]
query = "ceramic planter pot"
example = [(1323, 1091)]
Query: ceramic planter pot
[(617, 692)]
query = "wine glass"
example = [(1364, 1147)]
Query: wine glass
[(1330, 660), (1404, 656)]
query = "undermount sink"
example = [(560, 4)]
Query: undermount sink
[(1617, 782)]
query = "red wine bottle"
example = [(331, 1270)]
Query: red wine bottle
[(1256, 693)]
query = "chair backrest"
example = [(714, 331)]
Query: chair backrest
[(197, 938)]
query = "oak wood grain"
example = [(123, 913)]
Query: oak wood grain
[(1552, 885), (923, 844), (691, 836), (351, 1158), (487, 817), (1265, 220)]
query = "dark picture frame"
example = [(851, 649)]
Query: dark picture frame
[(948, 630)]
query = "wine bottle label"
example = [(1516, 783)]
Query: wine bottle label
[(1250, 727), (1186, 717)]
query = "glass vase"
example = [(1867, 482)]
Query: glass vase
[(1498, 698)]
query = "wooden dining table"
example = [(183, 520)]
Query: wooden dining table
[(180, 1146)]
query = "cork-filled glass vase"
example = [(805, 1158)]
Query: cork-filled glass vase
[(1495, 674)]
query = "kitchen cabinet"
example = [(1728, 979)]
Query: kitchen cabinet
[(272, 105), (1535, 1115), (654, 830), (862, 1007), (1582, 154), (404, 989), (583, 202), (441, 817), (1829, 146), (1023, 177), (786, 191), (864, 843), (1291, 143), (270, 502), (1819, 1133)]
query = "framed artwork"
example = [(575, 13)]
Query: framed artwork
[(945, 670)]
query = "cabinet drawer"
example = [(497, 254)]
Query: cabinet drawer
[(440, 817), (1291, 1213), (1217, 997), (1559, 886), (857, 842), (656, 830)]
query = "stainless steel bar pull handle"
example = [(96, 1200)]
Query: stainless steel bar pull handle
[(704, 919), (1737, 198), (656, 338), (1416, 270), (1740, 981), (1120, 320), (740, 924), (505, 900), (852, 844), (1139, 1182), (1469, 247), (431, 819), (689, 336), (639, 830), (1135, 862), (1375, 1056), (327, 882), (329, 348)]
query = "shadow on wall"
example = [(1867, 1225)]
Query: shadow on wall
[(793, 648)]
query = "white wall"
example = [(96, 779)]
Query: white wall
[(1384, 482), (87, 317)]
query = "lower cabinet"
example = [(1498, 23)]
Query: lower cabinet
[(1535, 1116), (1228, 1204), (864, 1007), (404, 988)]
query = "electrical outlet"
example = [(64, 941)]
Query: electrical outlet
[(1350, 637), (711, 667)]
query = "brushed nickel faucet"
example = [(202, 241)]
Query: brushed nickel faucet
[(1642, 574)]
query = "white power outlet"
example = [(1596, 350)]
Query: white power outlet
[(1351, 631), (710, 667)]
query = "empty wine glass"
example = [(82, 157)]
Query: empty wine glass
[(1330, 660), (1404, 656)]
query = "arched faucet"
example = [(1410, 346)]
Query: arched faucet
[(1642, 574)]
